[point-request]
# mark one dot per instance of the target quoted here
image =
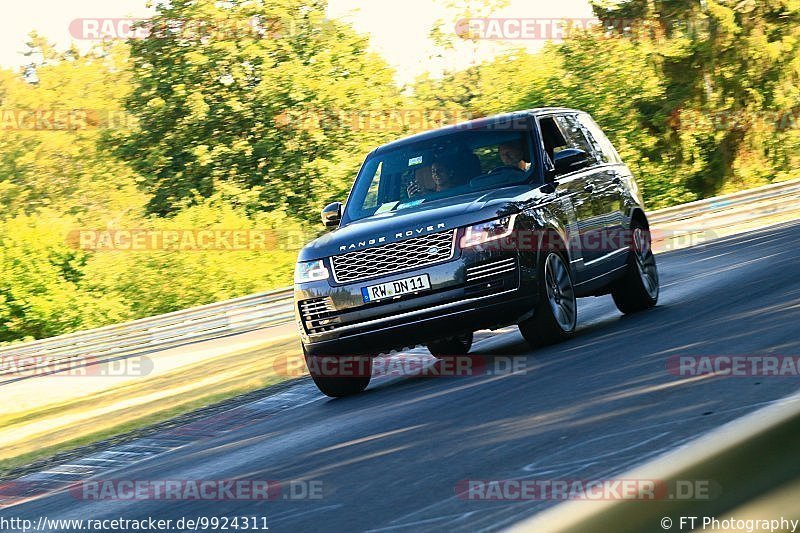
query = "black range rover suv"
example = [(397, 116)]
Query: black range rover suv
[(498, 221)]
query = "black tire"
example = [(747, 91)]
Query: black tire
[(352, 377), (556, 313), (639, 288), (458, 345)]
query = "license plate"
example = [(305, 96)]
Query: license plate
[(373, 293)]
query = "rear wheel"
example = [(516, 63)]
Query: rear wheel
[(338, 377), (458, 345), (639, 288), (556, 313)]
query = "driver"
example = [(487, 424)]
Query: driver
[(513, 154)]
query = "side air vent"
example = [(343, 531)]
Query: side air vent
[(318, 315), (493, 269), (492, 277)]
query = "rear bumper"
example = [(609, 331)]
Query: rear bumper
[(465, 296)]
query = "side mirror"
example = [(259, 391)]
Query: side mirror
[(332, 215), (570, 160)]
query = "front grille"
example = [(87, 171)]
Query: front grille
[(318, 315), (394, 257)]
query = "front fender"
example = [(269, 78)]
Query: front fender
[(549, 225)]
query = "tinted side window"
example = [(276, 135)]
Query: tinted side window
[(552, 137), (576, 138), (372, 193), (602, 145)]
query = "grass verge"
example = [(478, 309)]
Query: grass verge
[(117, 411)]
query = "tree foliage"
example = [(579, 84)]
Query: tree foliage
[(231, 110), (699, 97), (262, 113)]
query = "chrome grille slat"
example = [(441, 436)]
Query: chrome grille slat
[(315, 310), (394, 257), (490, 266), (490, 274), (320, 302), (488, 270), (313, 304)]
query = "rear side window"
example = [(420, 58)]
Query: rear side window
[(602, 146), (576, 138)]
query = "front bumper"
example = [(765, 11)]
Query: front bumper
[(475, 290)]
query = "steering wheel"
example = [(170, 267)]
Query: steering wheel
[(502, 168)]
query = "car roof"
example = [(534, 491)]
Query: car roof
[(472, 124)]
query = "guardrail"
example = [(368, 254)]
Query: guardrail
[(276, 307), (160, 332), (752, 461), (720, 205)]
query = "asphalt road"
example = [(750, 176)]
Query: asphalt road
[(590, 408)]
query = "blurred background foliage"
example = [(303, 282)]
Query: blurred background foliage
[(259, 129)]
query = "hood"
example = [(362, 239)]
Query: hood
[(441, 215)]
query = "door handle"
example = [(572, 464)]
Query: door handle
[(589, 188)]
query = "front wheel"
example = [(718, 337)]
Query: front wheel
[(639, 288), (338, 377), (556, 313)]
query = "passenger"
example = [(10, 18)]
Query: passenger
[(422, 182), (513, 154), (443, 176), (436, 178)]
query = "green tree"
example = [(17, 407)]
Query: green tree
[(40, 281), (53, 116), (217, 110), (726, 67)]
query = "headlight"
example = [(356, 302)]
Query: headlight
[(488, 231), (310, 271)]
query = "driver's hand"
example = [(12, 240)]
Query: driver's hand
[(413, 188)]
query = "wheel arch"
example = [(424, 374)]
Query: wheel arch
[(552, 235), (638, 214)]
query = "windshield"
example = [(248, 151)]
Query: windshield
[(421, 173)]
